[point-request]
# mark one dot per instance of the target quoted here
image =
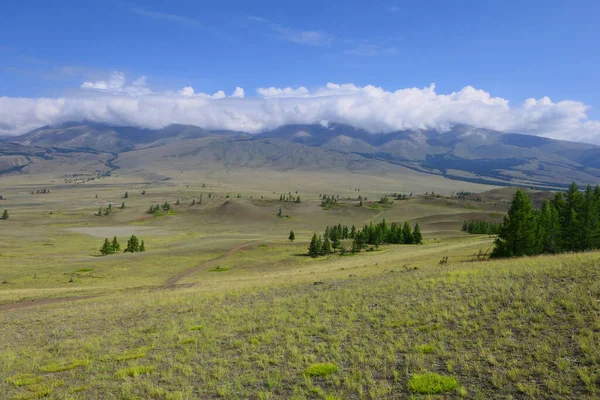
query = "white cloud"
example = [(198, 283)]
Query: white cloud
[(187, 91), (369, 107), (298, 36), (238, 93)]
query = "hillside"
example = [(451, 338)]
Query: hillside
[(462, 153)]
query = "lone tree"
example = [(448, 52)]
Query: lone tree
[(133, 245), (279, 212), (517, 235), (126, 195), (5, 214), (99, 212), (292, 236), (122, 205)]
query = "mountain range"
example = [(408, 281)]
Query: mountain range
[(463, 152)]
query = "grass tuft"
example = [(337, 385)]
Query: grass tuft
[(424, 349), (321, 369), (24, 380), (432, 383)]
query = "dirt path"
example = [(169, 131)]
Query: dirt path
[(170, 284), (42, 302), (189, 272)]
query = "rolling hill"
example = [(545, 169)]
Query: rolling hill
[(462, 153)]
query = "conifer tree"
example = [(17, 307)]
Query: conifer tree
[(314, 249), (292, 236), (126, 195), (417, 236), (279, 212), (122, 205), (326, 247), (99, 212), (5, 214), (407, 235), (115, 245), (133, 245), (517, 236), (106, 248), (142, 247)]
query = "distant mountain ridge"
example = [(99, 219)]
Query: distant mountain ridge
[(463, 152)]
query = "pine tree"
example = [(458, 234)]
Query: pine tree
[(352, 232), (314, 249), (279, 212), (548, 229), (106, 248), (517, 236), (99, 212), (407, 235), (298, 199), (417, 236), (326, 247), (133, 245), (122, 205), (142, 247), (4, 214), (115, 245), (126, 195), (590, 216), (292, 236), (572, 232)]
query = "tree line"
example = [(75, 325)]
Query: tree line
[(566, 223), (481, 227), (372, 234)]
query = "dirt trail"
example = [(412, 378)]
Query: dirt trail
[(170, 284), (189, 272), (42, 302)]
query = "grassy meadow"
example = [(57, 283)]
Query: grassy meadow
[(222, 305)]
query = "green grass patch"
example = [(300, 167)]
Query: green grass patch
[(197, 328), (220, 269), (424, 349), (432, 383), (64, 367), (134, 371), (85, 270), (24, 380), (130, 355), (321, 369)]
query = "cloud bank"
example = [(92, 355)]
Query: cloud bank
[(115, 101)]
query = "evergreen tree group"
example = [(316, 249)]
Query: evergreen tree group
[(481, 227), (372, 234), (567, 223), (110, 247), (328, 201)]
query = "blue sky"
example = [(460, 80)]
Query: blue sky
[(514, 50)]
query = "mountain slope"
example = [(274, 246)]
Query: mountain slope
[(463, 152)]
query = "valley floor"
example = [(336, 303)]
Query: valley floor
[(222, 305)]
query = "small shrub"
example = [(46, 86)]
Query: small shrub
[(321, 369), (432, 383)]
